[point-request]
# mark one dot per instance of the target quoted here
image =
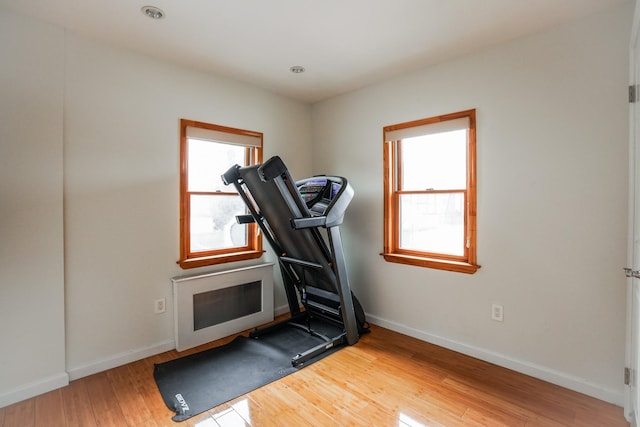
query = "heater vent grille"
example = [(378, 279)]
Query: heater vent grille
[(221, 305), (211, 306)]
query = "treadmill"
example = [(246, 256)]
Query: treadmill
[(300, 220)]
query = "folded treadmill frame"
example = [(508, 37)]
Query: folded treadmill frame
[(313, 267)]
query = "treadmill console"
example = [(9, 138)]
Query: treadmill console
[(319, 192)]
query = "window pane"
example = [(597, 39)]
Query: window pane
[(208, 161), (432, 223), (213, 222), (437, 161)]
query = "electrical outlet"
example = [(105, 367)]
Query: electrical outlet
[(497, 313), (159, 306)]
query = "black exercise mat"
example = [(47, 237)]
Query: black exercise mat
[(201, 381)]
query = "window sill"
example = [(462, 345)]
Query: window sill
[(459, 267), (218, 259)]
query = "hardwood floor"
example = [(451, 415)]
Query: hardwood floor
[(386, 379)]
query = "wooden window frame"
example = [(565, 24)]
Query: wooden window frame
[(392, 168), (189, 259)]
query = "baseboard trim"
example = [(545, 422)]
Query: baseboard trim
[(581, 385), (33, 389), (134, 355), (120, 359)]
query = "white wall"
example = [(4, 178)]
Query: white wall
[(31, 234), (122, 114), (97, 128), (552, 202)]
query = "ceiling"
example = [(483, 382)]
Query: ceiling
[(343, 44)]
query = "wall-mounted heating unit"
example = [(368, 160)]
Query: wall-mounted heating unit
[(211, 306)]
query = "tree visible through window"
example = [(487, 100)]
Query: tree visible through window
[(430, 192), (209, 233)]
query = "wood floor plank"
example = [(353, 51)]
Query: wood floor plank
[(21, 414), (50, 410), (284, 403), (386, 379), (479, 417), (252, 409), (131, 402), (540, 420), (141, 375), (497, 387), (77, 404), (486, 404), (104, 401), (347, 407)]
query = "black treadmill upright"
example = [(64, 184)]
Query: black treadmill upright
[(301, 222)]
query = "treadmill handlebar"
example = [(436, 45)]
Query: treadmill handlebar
[(245, 219), (272, 168), (231, 175), (316, 221), (331, 215), (338, 206)]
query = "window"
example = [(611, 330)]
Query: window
[(209, 233), (430, 192)]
